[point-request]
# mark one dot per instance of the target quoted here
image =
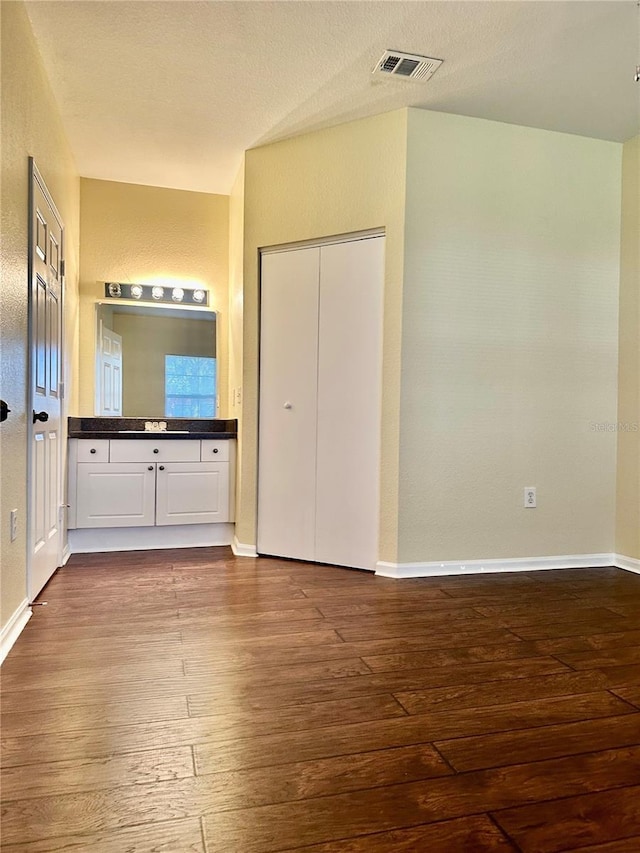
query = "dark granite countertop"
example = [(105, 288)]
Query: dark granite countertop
[(118, 428)]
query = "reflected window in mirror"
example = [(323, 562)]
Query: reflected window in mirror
[(190, 387)]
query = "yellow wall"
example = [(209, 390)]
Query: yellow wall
[(236, 281), (30, 126), (133, 233), (628, 484), (341, 180), (509, 348), (145, 343), (236, 302)]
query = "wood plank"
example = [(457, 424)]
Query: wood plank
[(477, 834), (574, 821), (169, 836), (571, 628), (450, 657), (95, 774), (598, 659), (625, 845), (551, 741), (621, 676), (99, 715), (501, 692), (265, 675)]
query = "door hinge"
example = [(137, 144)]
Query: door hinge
[(61, 390), (63, 268)]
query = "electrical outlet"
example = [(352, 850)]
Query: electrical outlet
[(13, 525), (530, 497)]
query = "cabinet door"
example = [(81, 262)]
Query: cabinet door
[(288, 391), (192, 493), (115, 495)]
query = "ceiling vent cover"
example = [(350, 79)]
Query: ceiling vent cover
[(406, 66)]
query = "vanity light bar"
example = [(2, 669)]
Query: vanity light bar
[(156, 293)]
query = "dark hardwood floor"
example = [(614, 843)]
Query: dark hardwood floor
[(193, 702)]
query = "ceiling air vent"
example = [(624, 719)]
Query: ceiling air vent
[(406, 66)]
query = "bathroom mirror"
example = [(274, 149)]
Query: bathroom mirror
[(155, 361)]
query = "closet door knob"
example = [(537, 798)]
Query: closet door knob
[(155, 450), (162, 467), (93, 450), (288, 405), (150, 468)]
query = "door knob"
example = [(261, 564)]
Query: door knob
[(40, 416), (150, 468), (288, 405), (162, 467), (4, 410)]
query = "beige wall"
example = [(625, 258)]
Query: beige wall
[(341, 180), (236, 302), (509, 347), (30, 126), (628, 483), (133, 233), (145, 343)]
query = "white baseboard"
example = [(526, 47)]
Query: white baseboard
[(13, 628), (630, 564), (66, 553), (241, 550), (477, 567), (92, 540)]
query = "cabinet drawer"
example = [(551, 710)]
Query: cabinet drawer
[(215, 450), (93, 451), (158, 450)]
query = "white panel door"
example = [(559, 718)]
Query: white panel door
[(288, 394), (349, 402), (116, 494), (109, 372), (45, 335), (192, 493)]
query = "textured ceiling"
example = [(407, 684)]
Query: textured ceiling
[(171, 93)]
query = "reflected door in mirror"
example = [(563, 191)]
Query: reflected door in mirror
[(109, 357)]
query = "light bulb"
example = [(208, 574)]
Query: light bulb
[(198, 295), (157, 292), (177, 294), (136, 291), (115, 290)]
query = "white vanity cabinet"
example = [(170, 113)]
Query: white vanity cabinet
[(142, 483)]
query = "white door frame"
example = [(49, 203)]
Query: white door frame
[(63, 550)]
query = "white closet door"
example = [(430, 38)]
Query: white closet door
[(349, 402), (288, 395)]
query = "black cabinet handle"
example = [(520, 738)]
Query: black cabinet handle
[(40, 416), (93, 450), (162, 467), (150, 468), (155, 450), (4, 411), (215, 449)]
